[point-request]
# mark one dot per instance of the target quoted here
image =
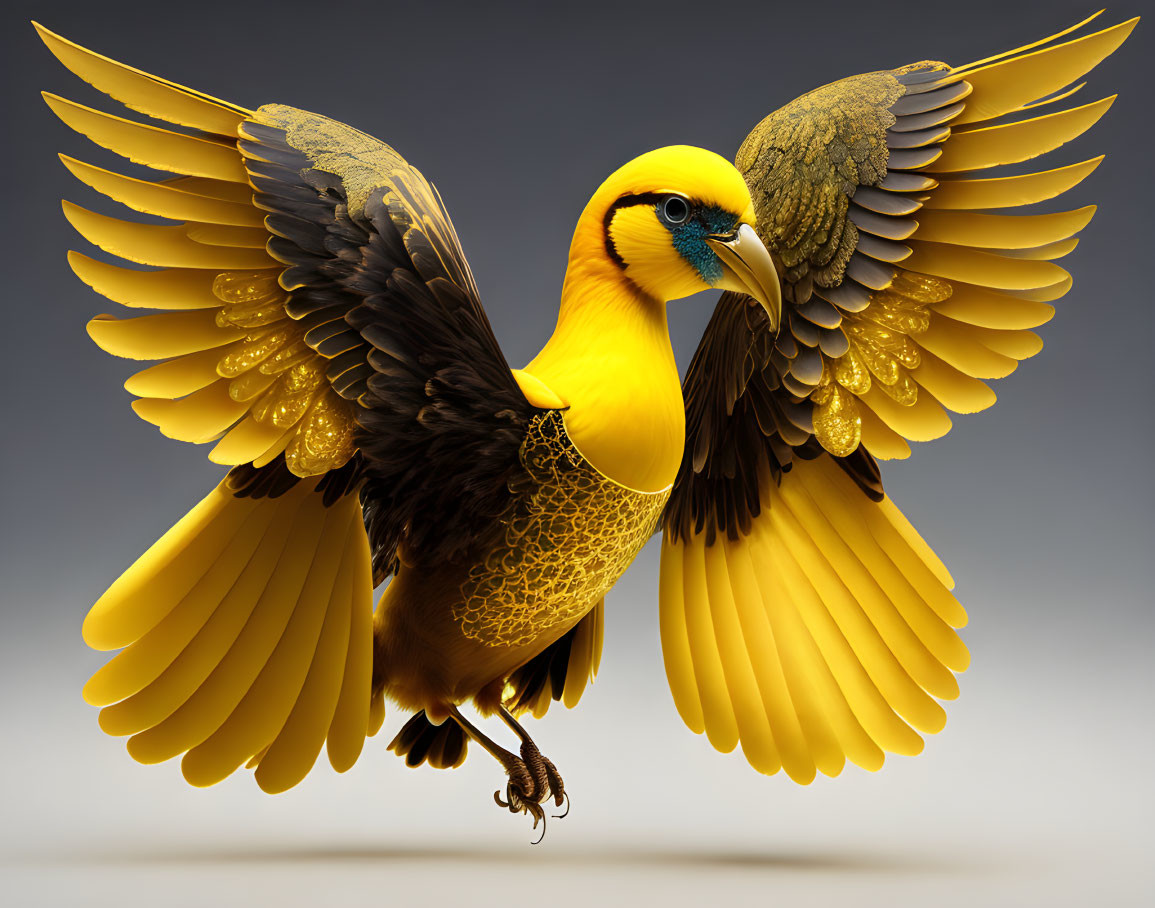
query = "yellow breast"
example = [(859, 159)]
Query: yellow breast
[(611, 362)]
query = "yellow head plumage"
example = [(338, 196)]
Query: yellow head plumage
[(671, 220)]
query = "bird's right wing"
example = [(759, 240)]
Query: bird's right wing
[(320, 326), (802, 615)]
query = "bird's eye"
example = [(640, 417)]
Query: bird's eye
[(675, 210)]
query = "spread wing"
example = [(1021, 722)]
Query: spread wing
[(801, 614), (320, 327), (320, 311)]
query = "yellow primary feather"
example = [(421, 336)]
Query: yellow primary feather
[(717, 711), (164, 200), (946, 340), (1001, 87), (1043, 294), (350, 722), (173, 288), (1007, 192), (266, 701), (140, 91), (758, 743), (1017, 345), (161, 336), (924, 420), (890, 516), (169, 247), (974, 64), (950, 387), (881, 440), (227, 235), (165, 711), (1046, 253), (202, 416), (274, 451), (142, 662), (226, 191), (676, 655), (996, 231), (129, 608), (177, 377), (150, 145), (974, 266), (1010, 143), (295, 749), (1052, 99), (248, 441)]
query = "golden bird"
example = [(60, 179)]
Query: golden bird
[(325, 333)]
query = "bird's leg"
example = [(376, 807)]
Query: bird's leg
[(544, 773), (526, 789)]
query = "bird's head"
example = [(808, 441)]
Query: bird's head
[(679, 220)]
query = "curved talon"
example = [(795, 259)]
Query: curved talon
[(561, 798), (542, 836)]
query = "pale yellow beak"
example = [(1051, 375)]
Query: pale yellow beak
[(747, 268)]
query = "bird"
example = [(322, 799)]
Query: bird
[(320, 327)]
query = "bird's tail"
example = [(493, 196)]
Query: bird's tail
[(246, 635), (444, 746)]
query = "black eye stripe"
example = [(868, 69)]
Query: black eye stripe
[(626, 201)]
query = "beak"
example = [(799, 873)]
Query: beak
[(747, 268)]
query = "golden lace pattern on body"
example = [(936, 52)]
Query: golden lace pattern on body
[(565, 544)]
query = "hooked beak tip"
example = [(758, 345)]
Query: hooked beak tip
[(748, 268)]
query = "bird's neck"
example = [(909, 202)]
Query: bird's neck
[(611, 361)]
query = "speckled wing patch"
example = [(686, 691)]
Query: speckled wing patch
[(565, 544)]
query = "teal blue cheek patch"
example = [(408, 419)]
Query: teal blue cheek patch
[(690, 240)]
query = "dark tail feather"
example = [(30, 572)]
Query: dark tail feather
[(419, 741)]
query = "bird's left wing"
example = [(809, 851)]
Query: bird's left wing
[(802, 616)]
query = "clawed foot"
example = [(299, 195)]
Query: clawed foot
[(533, 780)]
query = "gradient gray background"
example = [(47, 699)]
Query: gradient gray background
[(1038, 792)]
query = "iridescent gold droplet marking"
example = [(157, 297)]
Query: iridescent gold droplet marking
[(881, 352), (274, 367)]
